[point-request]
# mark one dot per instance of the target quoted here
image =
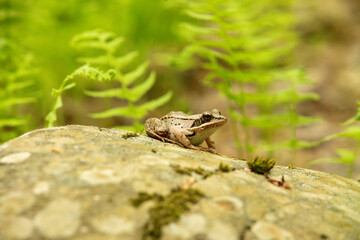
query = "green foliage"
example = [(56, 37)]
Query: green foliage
[(102, 48), (16, 89), (346, 156), (245, 45)]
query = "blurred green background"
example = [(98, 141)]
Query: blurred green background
[(41, 31)]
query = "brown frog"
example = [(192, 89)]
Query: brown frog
[(187, 131)]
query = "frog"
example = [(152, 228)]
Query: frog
[(187, 131)]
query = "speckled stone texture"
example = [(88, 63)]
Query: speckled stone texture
[(75, 182)]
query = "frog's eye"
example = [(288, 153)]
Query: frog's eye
[(206, 117)]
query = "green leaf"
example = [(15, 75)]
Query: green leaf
[(129, 111), (345, 157), (125, 60), (349, 132), (196, 29), (14, 86), (130, 77), (121, 93), (198, 16), (97, 39), (151, 105), (297, 144), (99, 60), (138, 91), (12, 122), (354, 119), (6, 103)]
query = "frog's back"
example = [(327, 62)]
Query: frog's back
[(178, 120), (173, 114)]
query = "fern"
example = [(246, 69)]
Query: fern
[(346, 156), (244, 46), (106, 45), (16, 89), (68, 83), (106, 65)]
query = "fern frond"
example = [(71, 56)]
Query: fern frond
[(17, 88), (132, 95), (93, 74), (111, 67), (97, 39), (243, 45)]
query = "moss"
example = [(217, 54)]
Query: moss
[(261, 165), (224, 167), (324, 236), (204, 173), (167, 209), (188, 171), (129, 135), (143, 197), (292, 166)]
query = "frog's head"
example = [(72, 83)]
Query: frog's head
[(205, 125), (207, 119)]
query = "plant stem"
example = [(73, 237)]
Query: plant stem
[(241, 104)]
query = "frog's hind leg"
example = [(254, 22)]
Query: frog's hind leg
[(156, 129), (153, 134), (173, 142)]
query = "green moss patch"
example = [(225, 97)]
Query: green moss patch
[(261, 165), (200, 171), (167, 209), (130, 135)]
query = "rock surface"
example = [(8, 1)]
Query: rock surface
[(76, 182)]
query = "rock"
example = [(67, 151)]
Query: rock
[(15, 158), (60, 218), (79, 182), (19, 228)]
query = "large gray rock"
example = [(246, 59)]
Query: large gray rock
[(76, 182)]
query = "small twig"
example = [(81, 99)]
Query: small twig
[(278, 183)]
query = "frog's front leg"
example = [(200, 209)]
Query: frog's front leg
[(180, 136), (210, 143), (157, 129)]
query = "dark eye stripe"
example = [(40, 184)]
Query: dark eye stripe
[(196, 123)]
